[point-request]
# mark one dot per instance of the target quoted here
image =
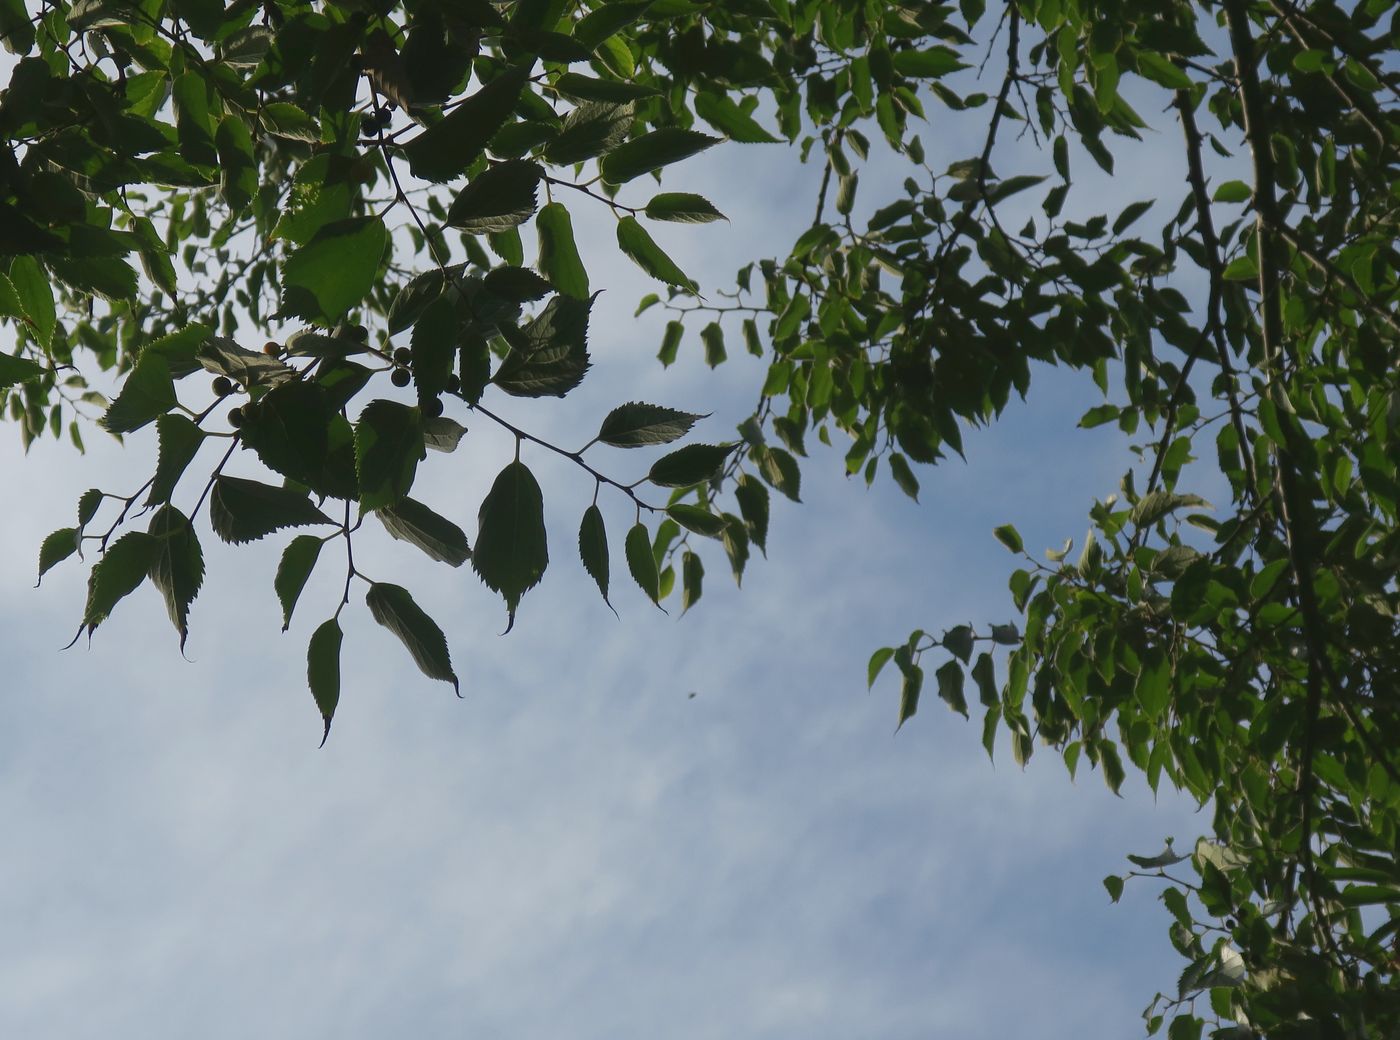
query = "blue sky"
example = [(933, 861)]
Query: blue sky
[(578, 848)]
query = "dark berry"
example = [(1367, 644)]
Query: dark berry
[(237, 417), (223, 386), (272, 349), (401, 377), (359, 332), (402, 356), (453, 384), (432, 407)]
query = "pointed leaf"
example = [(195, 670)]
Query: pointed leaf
[(298, 560), (447, 148), (147, 392), (697, 519), (651, 152), (878, 660), (122, 568), (693, 464), (18, 370), (443, 434), (334, 271), (753, 505), (642, 563), (411, 521), (179, 440), (549, 356), (1008, 536), (692, 579), (388, 447), (393, 607), (724, 114), (503, 197), (635, 425), (909, 694), (559, 260), (178, 569), (245, 510), (904, 476), (633, 240), (593, 549), (950, 687), (511, 549), (682, 207), (591, 129), (780, 469), (323, 670), (56, 548)]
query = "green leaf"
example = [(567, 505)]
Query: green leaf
[(959, 641), (1008, 536), (35, 290), (592, 129), (683, 208), (511, 549), (670, 342), (642, 249), (503, 197), (88, 504), (651, 152), (950, 687), (932, 63), (416, 296), (723, 113), (904, 476), (549, 356), (1153, 507), (238, 168), (243, 510), (436, 336), (780, 469), (393, 607), (447, 148), (584, 88), (289, 429), (642, 563), (190, 96), (753, 501), (56, 548), (149, 391), (443, 434), (1160, 70), (1233, 191), (984, 675), (249, 368), (593, 549), (411, 521), (636, 425), (559, 260), (179, 440), (712, 336), (388, 447), (282, 119), (1114, 884), (693, 464), (697, 519), (178, 568), (334, 271), (909, 694), (878, 660), (293, 570), (1240, 269), (323, 670), (122, 568), (15, 369)]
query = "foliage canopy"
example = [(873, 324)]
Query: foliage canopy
[(349, 181)]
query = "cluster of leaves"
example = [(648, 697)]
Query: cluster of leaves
[(361, 171)]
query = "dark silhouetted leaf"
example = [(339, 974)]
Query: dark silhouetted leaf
[(693, 464), (511, 551), (323, 670), (651, 152), (56, 548), (179, 440), (503, 197), (641, 563), (388, 447), (447, 148), (394, 608), (682, 207), (559, 260), (593, 549), (413, 522), (178, 568), (122, 568), (591, 129), (635, 425), (245, 510), (293, 570)]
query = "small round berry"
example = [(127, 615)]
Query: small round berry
[(272, 349), (359, 332), (453, 384), (237, 417), (403, 356), (401, 377), (223, 386), (432, 407)]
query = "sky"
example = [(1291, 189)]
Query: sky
[(579, 847)]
